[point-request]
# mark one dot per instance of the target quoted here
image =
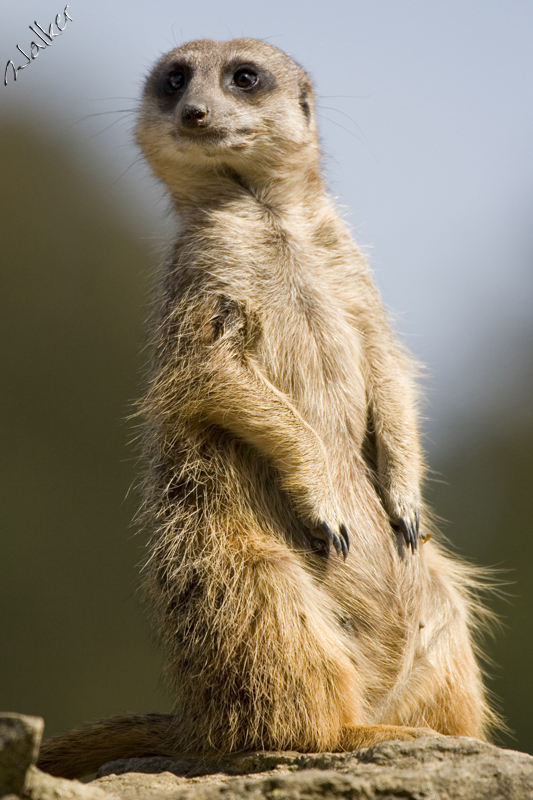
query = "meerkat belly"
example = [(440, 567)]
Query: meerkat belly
[(316, 360)]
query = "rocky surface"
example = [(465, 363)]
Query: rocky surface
[(20, 738), (447, 768)]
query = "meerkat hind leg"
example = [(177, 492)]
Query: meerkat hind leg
[(357, 737)]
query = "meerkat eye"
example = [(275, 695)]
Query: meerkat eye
[(245, 78), (175, 81)]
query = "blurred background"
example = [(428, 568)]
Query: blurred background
[(427, 126)]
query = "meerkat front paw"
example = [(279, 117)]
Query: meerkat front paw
[(408, 527), (326, 531), (325, 536), (405, 521), (319, 513)]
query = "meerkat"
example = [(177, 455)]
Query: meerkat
[(297, 601)]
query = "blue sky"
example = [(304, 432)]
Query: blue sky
[(427, 127)]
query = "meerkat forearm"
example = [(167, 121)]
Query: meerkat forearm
[(399, 457), (244, 402), (231, 391), (393, 417)]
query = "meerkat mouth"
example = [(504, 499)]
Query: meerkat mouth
[(219, 139)]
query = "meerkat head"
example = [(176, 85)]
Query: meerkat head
[(242, 105)]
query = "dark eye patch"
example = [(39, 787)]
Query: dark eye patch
[(172, 81), (246, 79), (304, 102)]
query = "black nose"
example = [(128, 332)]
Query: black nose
[(194, 116)]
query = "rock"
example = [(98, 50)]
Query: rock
[(20, 738), (447, 768), (40, 786), (444, 768)]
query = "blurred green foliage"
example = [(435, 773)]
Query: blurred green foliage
[(75, 643), (486, 498)]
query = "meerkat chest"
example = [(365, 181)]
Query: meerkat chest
[(311, 351), (307, 344)]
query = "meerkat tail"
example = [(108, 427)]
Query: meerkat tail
[(83, 750)]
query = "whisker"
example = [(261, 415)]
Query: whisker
[(174, 35), (361, 141), (331, 108), (229, 31), (329, 157), (342, 96), (355, 136), (101, 99), (133, 163), (101, 114), (120, 119)]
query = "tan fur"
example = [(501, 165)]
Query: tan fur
[(279, 400)]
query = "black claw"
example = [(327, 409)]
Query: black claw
[(344, 549), (322, 543), (345, 541), (332, 538), (340, 543), (410, 532)]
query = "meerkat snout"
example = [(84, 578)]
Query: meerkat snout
[(195, 116)]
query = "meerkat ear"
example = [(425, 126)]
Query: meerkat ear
[(304, 101)]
